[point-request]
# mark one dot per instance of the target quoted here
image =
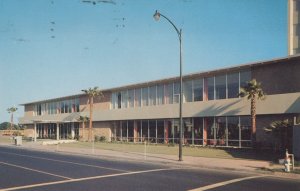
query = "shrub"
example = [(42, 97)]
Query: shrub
[(17, 133), (102, 139)]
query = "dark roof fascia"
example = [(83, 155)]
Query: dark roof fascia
[(53, 99)]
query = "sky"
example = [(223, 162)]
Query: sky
[(56, 48)]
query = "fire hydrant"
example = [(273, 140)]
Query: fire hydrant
[(287, 162)]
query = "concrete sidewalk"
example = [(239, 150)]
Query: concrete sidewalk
[(200, 162)]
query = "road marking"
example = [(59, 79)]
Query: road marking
[(83, 179), (226, 182), (62, 161), (43, 172)]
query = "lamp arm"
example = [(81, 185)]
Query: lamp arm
[(178, 31)]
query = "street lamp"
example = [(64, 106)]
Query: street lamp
[(157, 16)]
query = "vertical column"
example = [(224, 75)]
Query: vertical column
[(193, 131), (215, 132), (166, 132), (57, 131), (240, 134), (135, 132), (34, 133), (205, 90), (156, 131), (204, 131), (166, 129), (72, 130), (127, 131), (226, 132)]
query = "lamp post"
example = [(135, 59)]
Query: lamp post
[(157, 16)]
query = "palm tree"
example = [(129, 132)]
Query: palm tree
[(92, 93), (253, 91), (11, 111), (83, 119)]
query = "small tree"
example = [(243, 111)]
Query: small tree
[(253, 91), (11, 110), (83, 119), (92, 93), (279, 130)]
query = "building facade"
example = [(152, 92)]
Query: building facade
[(213, 114)]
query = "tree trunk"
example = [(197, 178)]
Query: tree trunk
[(253, 121), (83, 126), (11, 121)]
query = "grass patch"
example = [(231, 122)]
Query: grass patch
[(209, 152), (295, 171)]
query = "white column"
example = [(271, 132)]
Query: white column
[(72, 130), (34, 133), (57, 131)]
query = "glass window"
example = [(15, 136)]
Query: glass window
[(245, 76), (77, 103), (124, 131), (43, 108), (66, 106), (137, 96), (233, 85), (130, 130), (131, 98), (54, 108), (39, 109), (233, 131), (160, 95), (188, 130), (221, 130), (119, 96), (145, 96), (70, 102), (160, 131), (245, 127), (169, 93), (245, 123), (152, 95), (187, 91), (210, 131), (139, 130), (198, 90), (48, 106), (198, 130), (124, 95), (220, 85), (51, 105), (73, 105), (175, 130), (152, 130), (144, 130), (211, 88), (114, 102), (176, 92), (118, 129), (62, 107)]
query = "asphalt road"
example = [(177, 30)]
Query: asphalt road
[(22, 169)]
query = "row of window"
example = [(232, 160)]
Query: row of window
[(51, 108), (226, 131), (212, 88)]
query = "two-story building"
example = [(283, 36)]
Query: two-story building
[(213, 114)]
